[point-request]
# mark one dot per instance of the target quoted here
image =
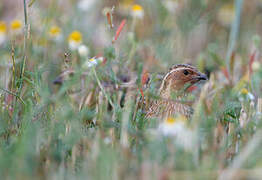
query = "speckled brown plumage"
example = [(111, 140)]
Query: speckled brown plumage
[(176, 81)]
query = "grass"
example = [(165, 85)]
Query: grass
[(91, 125)]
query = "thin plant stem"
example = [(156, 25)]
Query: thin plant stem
[(13, 94), (25, 49), (102, 88), (234, 32), (13, 68), (133, 46)]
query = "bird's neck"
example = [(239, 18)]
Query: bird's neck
[(169, 91), (170, 94)]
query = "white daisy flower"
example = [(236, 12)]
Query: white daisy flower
[(137, 11), (2, 32), (247, 94), (55, 33), (171, 5), (83, 50), (176, 127), (16, 27), (74, 40), (85, 5)]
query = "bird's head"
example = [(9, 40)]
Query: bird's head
[(179, 78)]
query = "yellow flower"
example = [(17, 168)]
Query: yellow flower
[(92, 60), (2, 32), (244, 91), (137, 7), (74, 39), (75, 36), (137, 11), (247, 94), (90, 63), (16, 25), (54, 31), (2, 27), (170, 120), (178, 130)]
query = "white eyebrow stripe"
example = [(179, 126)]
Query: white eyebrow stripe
[(174, 70)]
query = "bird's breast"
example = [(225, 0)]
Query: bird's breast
[(168, 108)]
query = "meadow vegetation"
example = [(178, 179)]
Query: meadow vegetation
[(72, 74)]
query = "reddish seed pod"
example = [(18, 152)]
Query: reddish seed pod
[(109, 19), (119, 30)]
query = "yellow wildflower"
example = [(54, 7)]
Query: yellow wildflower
[(16, 25), (2, 32), (2, 27), (54, 31), (244, 91), (75, 39), (137, 11), (171, 125), (137, 7), (93, 62), (75, 36), (90, 63), (178, 130), (247, 94), (170, 120)]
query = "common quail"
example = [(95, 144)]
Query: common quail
[(175, 83)]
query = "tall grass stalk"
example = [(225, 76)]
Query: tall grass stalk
[(26, 31), (234, 32), (102, 89)]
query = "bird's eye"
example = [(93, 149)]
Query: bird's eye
[(186, 72)]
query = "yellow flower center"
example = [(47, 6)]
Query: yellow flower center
[(54, 31), (16, 24), (170, 120), (137, 7), (92, 59), (75, 36), (2, 27), (244, 91)]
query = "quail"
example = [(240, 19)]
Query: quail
[(175, 83)]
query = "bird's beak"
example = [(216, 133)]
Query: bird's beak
[(58, 80), (200, 76)]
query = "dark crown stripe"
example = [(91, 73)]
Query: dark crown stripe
[(182, 65)]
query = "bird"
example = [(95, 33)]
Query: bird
[(175, 83)]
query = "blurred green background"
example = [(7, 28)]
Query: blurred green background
[(70, 131)]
